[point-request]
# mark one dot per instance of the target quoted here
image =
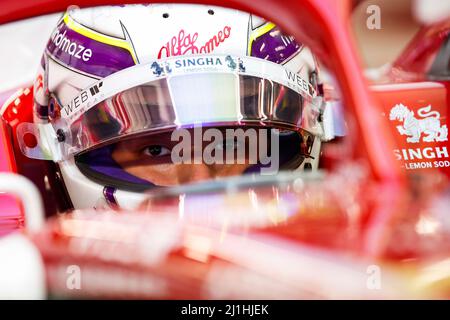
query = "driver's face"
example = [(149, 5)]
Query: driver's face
[(150, 159)]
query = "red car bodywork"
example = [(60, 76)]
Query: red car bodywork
[(387, 198)]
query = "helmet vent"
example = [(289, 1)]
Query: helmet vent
[(165, 15), (211, 11)]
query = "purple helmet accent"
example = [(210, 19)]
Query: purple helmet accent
[(274, 46), (100, 166), (85, 54)]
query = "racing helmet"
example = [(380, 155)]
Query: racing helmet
[(125, 74)]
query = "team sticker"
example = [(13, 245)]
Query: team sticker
[(88, 97)]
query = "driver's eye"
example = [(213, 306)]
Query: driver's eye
[(156, 151)]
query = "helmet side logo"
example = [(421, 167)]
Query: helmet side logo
[(428, 127), (186, 43)]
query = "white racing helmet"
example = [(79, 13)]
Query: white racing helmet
[(121, 73)]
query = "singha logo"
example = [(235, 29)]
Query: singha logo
[(429, 125), (232, 64)]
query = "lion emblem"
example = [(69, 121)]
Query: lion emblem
[(429, 125)]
